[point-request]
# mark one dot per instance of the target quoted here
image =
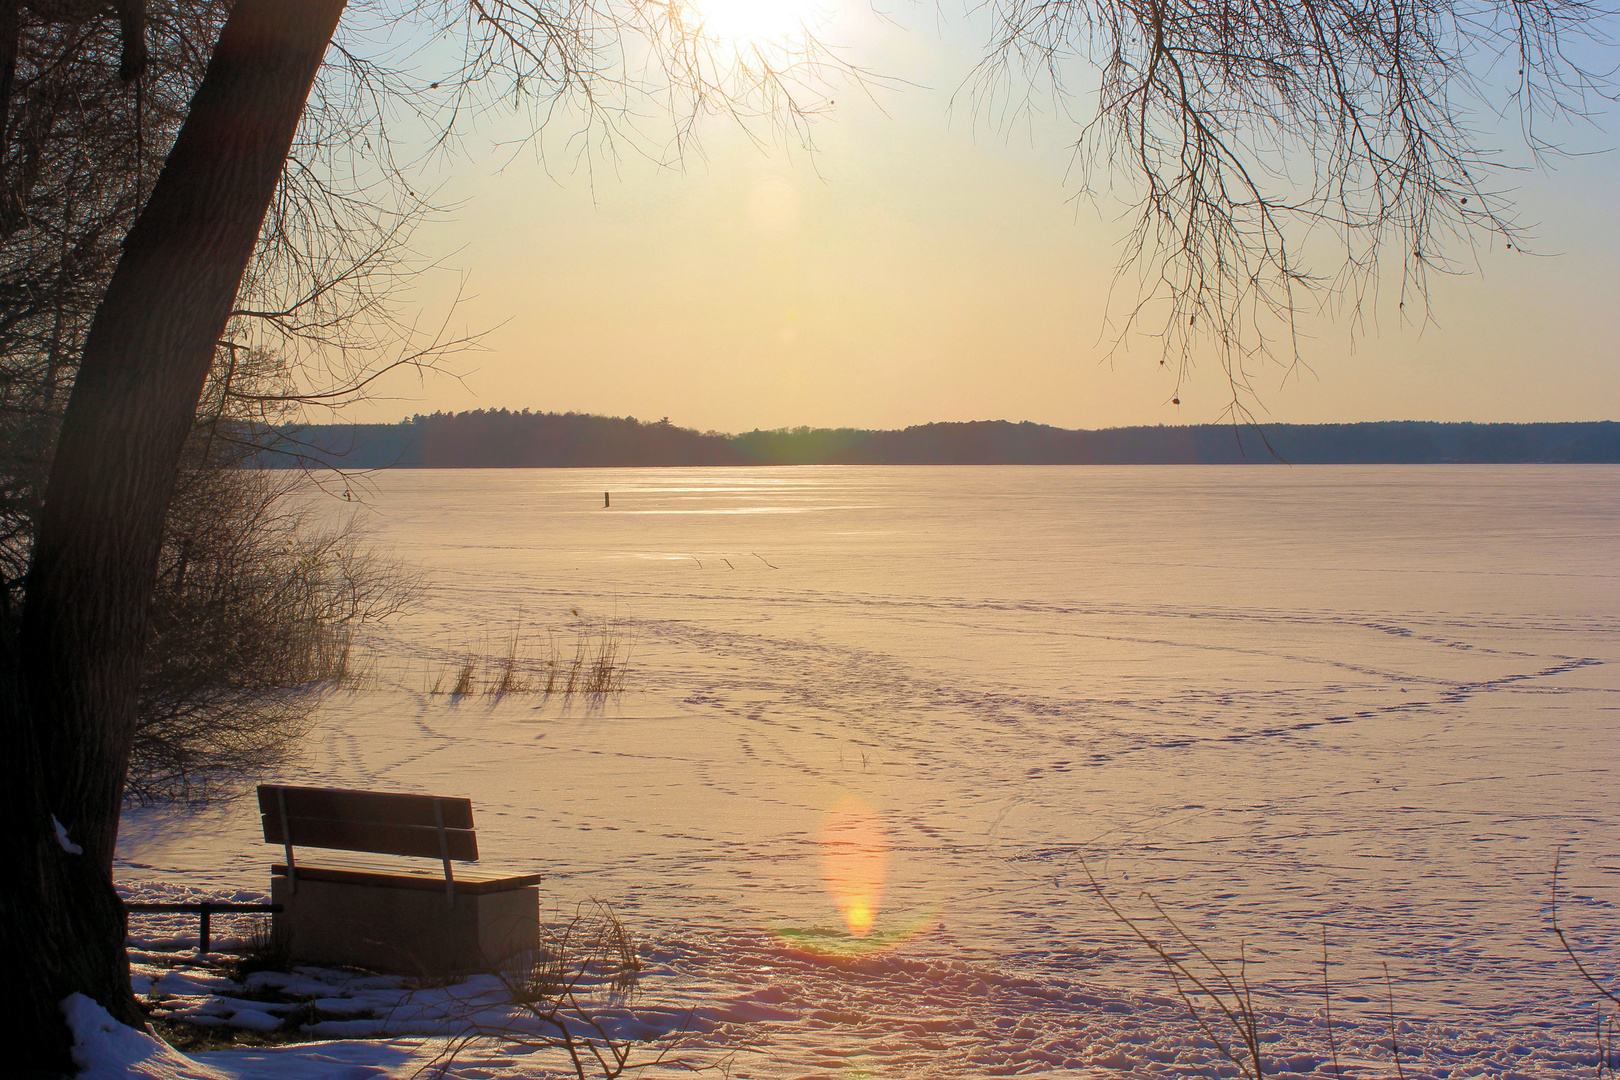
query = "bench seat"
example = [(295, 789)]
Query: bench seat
[(471, 882)]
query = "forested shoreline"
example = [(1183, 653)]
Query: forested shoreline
[(499, 438)]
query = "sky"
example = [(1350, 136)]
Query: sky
[(926, 263)]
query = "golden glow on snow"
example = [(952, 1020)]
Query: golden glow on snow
[(854, 862)]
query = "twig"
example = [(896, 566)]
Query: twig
[(1327, 1000), (1605, 1050), (1239, 1011), (1569, 952), (1394, 1043)]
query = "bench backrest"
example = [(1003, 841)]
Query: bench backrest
[(384, 823)]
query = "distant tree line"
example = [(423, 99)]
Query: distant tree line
[(499, 438)]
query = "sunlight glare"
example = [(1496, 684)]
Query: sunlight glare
[(755, 20)]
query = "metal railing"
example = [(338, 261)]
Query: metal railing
[(204, 910)]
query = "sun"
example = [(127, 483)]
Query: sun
[(755, 20)]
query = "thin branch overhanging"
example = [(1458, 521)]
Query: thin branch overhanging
[(1255, 130)]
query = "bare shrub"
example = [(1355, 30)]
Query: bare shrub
[(1219, 1000), (594, 944), (585, 968), (257, 613), (1218, 996)]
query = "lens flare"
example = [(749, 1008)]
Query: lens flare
[(838, 945), (854, 866), (854, 862)]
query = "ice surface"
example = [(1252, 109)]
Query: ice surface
[(1375, 700)]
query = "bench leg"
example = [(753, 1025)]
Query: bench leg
[(202, 930)]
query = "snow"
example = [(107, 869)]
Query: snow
[(793, 1015), (105, 1049), (1375, 700), (62, 838)]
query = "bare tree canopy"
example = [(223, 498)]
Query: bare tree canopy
[(1287, 148), (1278, 153), (1281, 155)]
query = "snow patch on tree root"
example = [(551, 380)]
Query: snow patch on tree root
[(62, 838), (105, 1049)]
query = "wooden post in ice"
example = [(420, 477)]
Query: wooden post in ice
[(607, 500)]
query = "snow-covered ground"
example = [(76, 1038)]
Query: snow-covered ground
[(1277, 700)]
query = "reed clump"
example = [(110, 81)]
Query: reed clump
[(593, 664)]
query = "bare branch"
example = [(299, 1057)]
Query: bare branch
[(1261, 138)]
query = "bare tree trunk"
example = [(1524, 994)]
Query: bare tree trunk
[(67, 694)]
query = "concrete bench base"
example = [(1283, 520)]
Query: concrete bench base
[(405, 931)]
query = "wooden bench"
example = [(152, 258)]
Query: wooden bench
[(387, 916)]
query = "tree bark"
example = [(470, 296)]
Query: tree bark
[(67, 694)]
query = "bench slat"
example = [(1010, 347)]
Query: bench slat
[(384, 839), (361, 874), (386, 808)]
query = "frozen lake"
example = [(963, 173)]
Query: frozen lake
[(1374, 700)]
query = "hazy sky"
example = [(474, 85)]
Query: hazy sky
[(924, 264)]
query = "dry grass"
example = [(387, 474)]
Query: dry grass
[(465, 681), (262, 950), (509, 679), (593, 945), (593, 665)]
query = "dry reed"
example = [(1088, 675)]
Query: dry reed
[(594, 666)]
